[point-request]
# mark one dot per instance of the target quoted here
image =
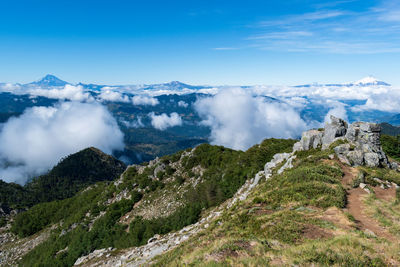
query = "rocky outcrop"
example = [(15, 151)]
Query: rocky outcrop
[(309, 139), (360, 142), (336, 129)]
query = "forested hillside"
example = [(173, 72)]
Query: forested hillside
[(70, 175)]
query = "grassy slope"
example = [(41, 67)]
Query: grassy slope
[(92, 218), (296, 218)]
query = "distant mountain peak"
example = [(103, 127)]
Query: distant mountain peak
[(366, 81), (370, 80), (49, 80), (176, 84)]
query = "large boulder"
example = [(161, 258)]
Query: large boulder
[(309, 139), (366, 139), (336, 129)]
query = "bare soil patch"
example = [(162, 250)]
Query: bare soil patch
[(356, 206), (385, 194), (315, 232)]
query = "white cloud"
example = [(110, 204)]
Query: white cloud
[(113, 96), (68, 92), (389, 102), (318, 91), (133, 124), (183, 104), (144, 100), (163, 121), (338, 110), (239, 120), (9, 87), (35, 141)]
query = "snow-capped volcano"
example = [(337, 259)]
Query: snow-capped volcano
[(370, 80), (367, 81), (48, 81)]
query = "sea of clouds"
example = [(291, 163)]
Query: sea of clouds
[(238, 117)]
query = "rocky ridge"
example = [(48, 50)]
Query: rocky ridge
[(159, 244), (356, 144)]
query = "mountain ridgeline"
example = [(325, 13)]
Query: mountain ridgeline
[(331, 198), (163, 195), (70, 175)]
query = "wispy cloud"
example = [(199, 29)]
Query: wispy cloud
[(333, 30), (281, 35)]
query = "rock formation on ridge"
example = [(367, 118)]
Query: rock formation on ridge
[(357, 143)]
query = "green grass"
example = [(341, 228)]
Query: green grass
[(315, 185), (277, 215), (225, 170), (391, 146)]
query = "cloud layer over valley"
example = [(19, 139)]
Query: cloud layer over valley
[(235, 117), (35, 141), (239, 119)]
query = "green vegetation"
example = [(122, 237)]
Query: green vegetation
[(391, 146), (3, 222), (389, 129), (69, 211), (381, 173), (14, 196), (105, 232), (225, 170), (294, 219), (308, 184), (70, 175)]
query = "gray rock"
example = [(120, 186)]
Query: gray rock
[(344, 159), (160, 168), (363, 147), (371, 159), (337, 128), (297, 147), (362, 185), (355, 157), (311, 139), (341, 152), (278, 158), (369, 233), (154, 238), (394, 165), (342, 149), (288, 164)]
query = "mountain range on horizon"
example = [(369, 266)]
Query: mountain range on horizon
[(50, 80)]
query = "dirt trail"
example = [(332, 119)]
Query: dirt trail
[(356, 206)]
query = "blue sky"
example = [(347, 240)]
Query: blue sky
[(200, 42)]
